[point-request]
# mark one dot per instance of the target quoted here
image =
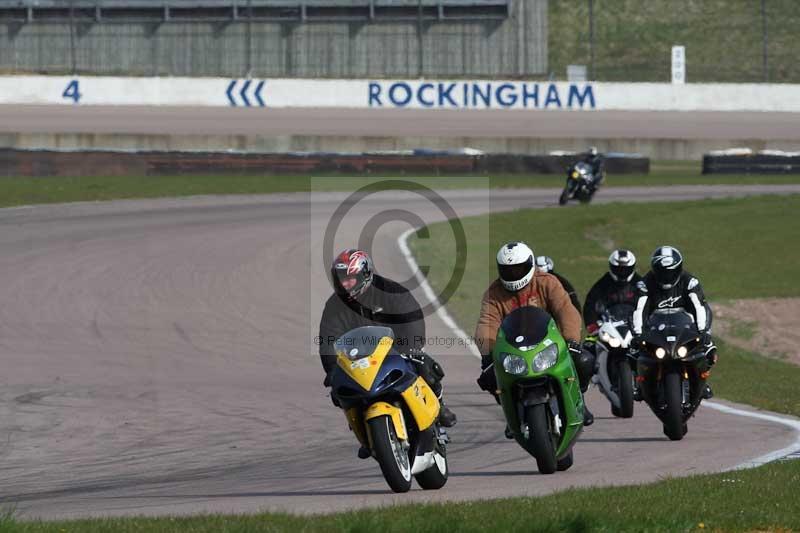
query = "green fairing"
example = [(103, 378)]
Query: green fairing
[(568, 394)]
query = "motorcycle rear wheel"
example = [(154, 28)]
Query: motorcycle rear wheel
[(544, 448), (565, 462), (625, 389), (674, 428), (392, 457), (435, 477)]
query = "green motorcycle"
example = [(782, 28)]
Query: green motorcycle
[(539, 388)]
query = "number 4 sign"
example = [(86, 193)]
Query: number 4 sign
[(72, 91)]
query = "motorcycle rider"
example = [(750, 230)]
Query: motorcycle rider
[(668, 286), (518, 284), (363, 298), (545, 265), (595, 160), (617, 286)]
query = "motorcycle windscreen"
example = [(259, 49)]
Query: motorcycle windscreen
[(621, 312), (364, 341), (525, 326), (666, 326)]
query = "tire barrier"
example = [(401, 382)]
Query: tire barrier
[(752, 163), (40, 163)]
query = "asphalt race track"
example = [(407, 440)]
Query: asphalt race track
[(137, 120), (158, 358)]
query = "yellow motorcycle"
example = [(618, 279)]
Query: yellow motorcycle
[(391, 410)]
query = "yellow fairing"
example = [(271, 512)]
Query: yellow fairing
[(422, 402), (356, 425), (382, 408), (363, 371)]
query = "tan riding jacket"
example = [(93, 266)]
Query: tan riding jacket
[(543, 291)]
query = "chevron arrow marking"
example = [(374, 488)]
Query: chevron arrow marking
[(258, 93), (229, 92), (243, 93)]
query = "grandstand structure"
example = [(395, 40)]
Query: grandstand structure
[(276, 38)]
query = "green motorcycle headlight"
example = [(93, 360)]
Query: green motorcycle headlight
[(546, 358), (514, 364)]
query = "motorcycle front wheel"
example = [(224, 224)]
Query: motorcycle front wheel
[(390, 453), (544, 449), (625, 389), (674, 428), (564, 198)]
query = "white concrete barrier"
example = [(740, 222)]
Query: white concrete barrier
[(417, 94)]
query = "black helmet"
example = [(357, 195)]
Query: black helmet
[(667, 266), (351, 273), (621, 265)]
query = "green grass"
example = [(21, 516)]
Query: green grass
[(763, 382), (742, 329), (764, 498), (633, 39), (26, 191), (739, 248)]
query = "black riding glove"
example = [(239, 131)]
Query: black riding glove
[(574, 347), (710, 350), (488, 380), (328, 377)]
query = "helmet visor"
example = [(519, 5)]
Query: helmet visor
[(622, 272), (515, 272), (348, 283), (666, 276)]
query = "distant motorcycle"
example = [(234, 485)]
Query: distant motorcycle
[(672, 369), (613, 374), (391, 410), (581, 184)]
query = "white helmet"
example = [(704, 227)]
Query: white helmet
[(515, 265), (622, 265), (544, 264)]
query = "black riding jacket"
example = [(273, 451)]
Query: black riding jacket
[(384, 303), (596, 161), (573, 294), (607, 292), (686, 294)]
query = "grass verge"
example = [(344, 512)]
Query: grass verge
[(759, 499), (26, 191), (724, 39), (739, 248)]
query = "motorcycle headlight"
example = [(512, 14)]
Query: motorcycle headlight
[(614, 342), (660, 352), (682, 351), (575, 174), (605, 337), (514, 364), (546, 358)]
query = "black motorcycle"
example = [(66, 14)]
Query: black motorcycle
[(672, 369), (581, 184)]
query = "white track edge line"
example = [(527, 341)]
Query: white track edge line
[(402, 243)]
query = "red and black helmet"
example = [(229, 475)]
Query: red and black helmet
[(351, 272)]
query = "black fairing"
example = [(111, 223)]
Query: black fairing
[(670, 329), (529, 323)]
